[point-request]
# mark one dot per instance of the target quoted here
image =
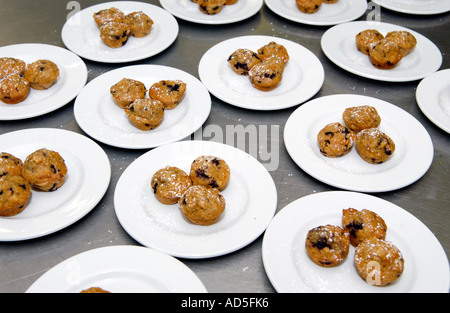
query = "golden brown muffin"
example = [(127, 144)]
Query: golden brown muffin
[(378, 262), (363, 225), (15, 193), (404, 40), (115, 34), (273, 49), (361, 117), (330, 1), (45, 170), (230, 2), (108, 15), (14, 89), (335, 140), (374, 146), (145, 114), (140, 24), (127, 91), (11, 66), (42, 74), (366, 38), (95, 290), (169, 184), (385, 54), (327, 246), (309, 6), (169, 92), (268, 74), (202, 206), (210, 171), (211, 7), (242, 61), (10, 165)]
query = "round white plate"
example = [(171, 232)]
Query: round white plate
[(99, 116), (328, 14), (411, 160), (418, 7), (73, 77), (339, 45), (433, 98), (302, 79), (81, 35), (290, 269), (189, 11), (86, 183), (251, 201), (119, 269)]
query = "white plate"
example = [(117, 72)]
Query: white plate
[(73, 77), (339, 45), (86, 183), (328, 14), (433, 98), (290, 269), (189, 11), (119, 269), (302, 79), (99, 116), (411, 160), (81, 34), (251, 199), (418, 7)]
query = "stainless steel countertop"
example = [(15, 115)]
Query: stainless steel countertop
[(23, 21)]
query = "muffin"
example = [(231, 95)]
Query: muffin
[(268, 74), (309, 6), (366, 38), (211, 7), (404, 40), (169, 184), (10, 165), (15, 193), (108, 15), (374, 146), (242, 61), (385, 54), (363, 225), (169, 92), (11, 66), (378, 262), (327, 246), (14, 89), (330, 1), (140, 24), (145, 114), (202, 206), (361, 117), (45, 170), (127, 91), (335, 140), (42, 74), (210, 171), (273, 49), (94, 290), (115, 34)]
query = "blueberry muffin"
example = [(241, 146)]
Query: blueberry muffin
[(95, 290), (361, 117), (14, 89), (115, 34), (385, 54), (366, 38), (145, 114), (378, 262), (374, 146), (15, 193), (108, 15), (42, 74), (140, 24), (210, 171), (211, 7), (327, 246), (169, 184), (309, 6), (404, 40), (127, 91), (335, 140), (268, 74), (10, 165), (273, 49), (202, 206), (242, 61), (330, 1), (230, 2), (45, 170), (169, 92), (11, 66), (363, 225)]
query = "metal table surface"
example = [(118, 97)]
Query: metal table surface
[(24, 21)]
